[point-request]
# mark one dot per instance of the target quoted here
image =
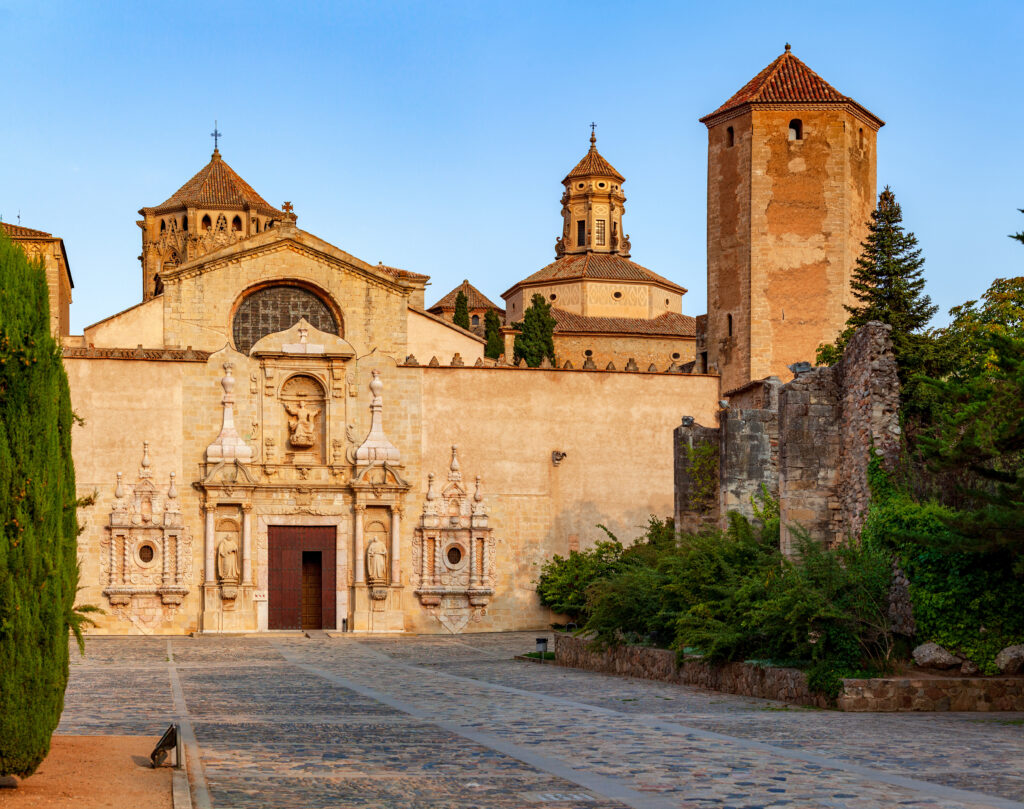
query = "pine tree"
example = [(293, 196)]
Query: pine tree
[(461, 317), (1018, 236), (888, 284), (492, 333), (38, 525), (537, 338)]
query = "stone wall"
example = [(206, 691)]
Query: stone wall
[(808, 442), (790, 685), (691, 436)]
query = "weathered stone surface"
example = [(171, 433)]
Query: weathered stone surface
[(969, 668), (1011, 659), (933, 656)]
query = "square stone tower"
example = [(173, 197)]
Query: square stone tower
[(791, 187)]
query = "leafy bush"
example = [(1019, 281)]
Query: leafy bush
[(564, 581)]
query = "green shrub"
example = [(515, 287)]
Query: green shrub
[(38, 527), (563, 581)]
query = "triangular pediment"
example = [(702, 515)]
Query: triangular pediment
[(288, 238), (303, 340)]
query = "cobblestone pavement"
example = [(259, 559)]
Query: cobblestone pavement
[(455, 723)]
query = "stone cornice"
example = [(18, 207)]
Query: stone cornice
[(157, 354), (852, 107)]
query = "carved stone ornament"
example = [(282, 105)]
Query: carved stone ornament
[(454, 551), (148, 551)]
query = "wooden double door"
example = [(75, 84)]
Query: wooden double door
[(301, 577)]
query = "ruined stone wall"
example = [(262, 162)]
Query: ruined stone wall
[(808, 442), (688, 513)]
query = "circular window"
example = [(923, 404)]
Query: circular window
[(146, 553), (675, 356), (617, 295), (588, 353), (600, 185), (579, 185), (278, 308), (552, 296), (454, 555)]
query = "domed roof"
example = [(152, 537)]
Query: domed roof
[(593, 164)]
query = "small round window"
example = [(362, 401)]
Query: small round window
[(454, 555), (146, 553), (617, 295), (553, 296)]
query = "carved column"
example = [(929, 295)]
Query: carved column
[(360, 577), (396, 531), (437, 561), (211, 550), (473, 580), (165, 576), (424, 562), (247, 545)]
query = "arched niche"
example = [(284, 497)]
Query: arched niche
[(304, 403)]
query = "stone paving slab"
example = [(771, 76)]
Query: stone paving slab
[(454, 723)]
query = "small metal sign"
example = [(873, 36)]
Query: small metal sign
[(169, 743)]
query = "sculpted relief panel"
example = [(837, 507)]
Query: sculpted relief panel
[(304, 400)]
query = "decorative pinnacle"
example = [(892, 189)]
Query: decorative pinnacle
[(216, 135), (788, 47), (593, 136)]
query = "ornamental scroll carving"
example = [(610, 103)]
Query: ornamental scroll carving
[(148, 551), (453, 551)]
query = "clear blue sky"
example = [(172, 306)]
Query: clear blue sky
[(433, 136)]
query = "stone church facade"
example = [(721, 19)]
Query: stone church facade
[(279, 436)]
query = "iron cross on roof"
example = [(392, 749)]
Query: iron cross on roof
[(215, 135)]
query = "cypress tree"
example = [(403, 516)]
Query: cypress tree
[(888, 284), (38, 525), (461, 311), (492, 333), (537, 339)]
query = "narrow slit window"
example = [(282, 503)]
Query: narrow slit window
[(796, 129), (730, 137), (728, 321), (581, 232)]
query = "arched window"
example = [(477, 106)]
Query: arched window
[(475, 320), (277, 308), (860, 138), (163, 226), (796, 129), (184, 222), (207, 223), (728, 321), (730, 137), (158, 285), (236, 224)]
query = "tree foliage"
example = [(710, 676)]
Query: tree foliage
[(38, 526), (537, 338), (461, 317), (888, 285), (492, 334)]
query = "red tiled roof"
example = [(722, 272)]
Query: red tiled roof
[(670, 324), (605, 266), (787, 80), (398, 273), (475, 299), (592, 163), (18, 230), (216, 185)]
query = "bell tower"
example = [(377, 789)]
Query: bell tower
[(592, 207), (791, 187)]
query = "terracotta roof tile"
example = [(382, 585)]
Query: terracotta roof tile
[(787, 80), (593, 163), (671, 324), (399, 273), (216, 185), (475, 299), (605, 266), (18, 230)]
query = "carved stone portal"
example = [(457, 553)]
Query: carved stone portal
[(148, 551), (453, 552)]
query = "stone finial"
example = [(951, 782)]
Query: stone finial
[(652, 368), (433, 362), (228, 446), (119, 489), (454, 471), (546, 363), (631, 365), (610, 366), (172, 490), (479, 508), (145, 473), (377, 448), (457, 361), (567, 366), (479, 363), (589, 364), (411, 360)]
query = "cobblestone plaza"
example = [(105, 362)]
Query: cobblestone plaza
[(455, 723)]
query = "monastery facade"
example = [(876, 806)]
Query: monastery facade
[(281, 436)]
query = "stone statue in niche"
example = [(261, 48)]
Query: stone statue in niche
[(302, 424), (227, 558), (377, 561)]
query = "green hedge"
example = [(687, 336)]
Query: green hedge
[(38, 527)]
